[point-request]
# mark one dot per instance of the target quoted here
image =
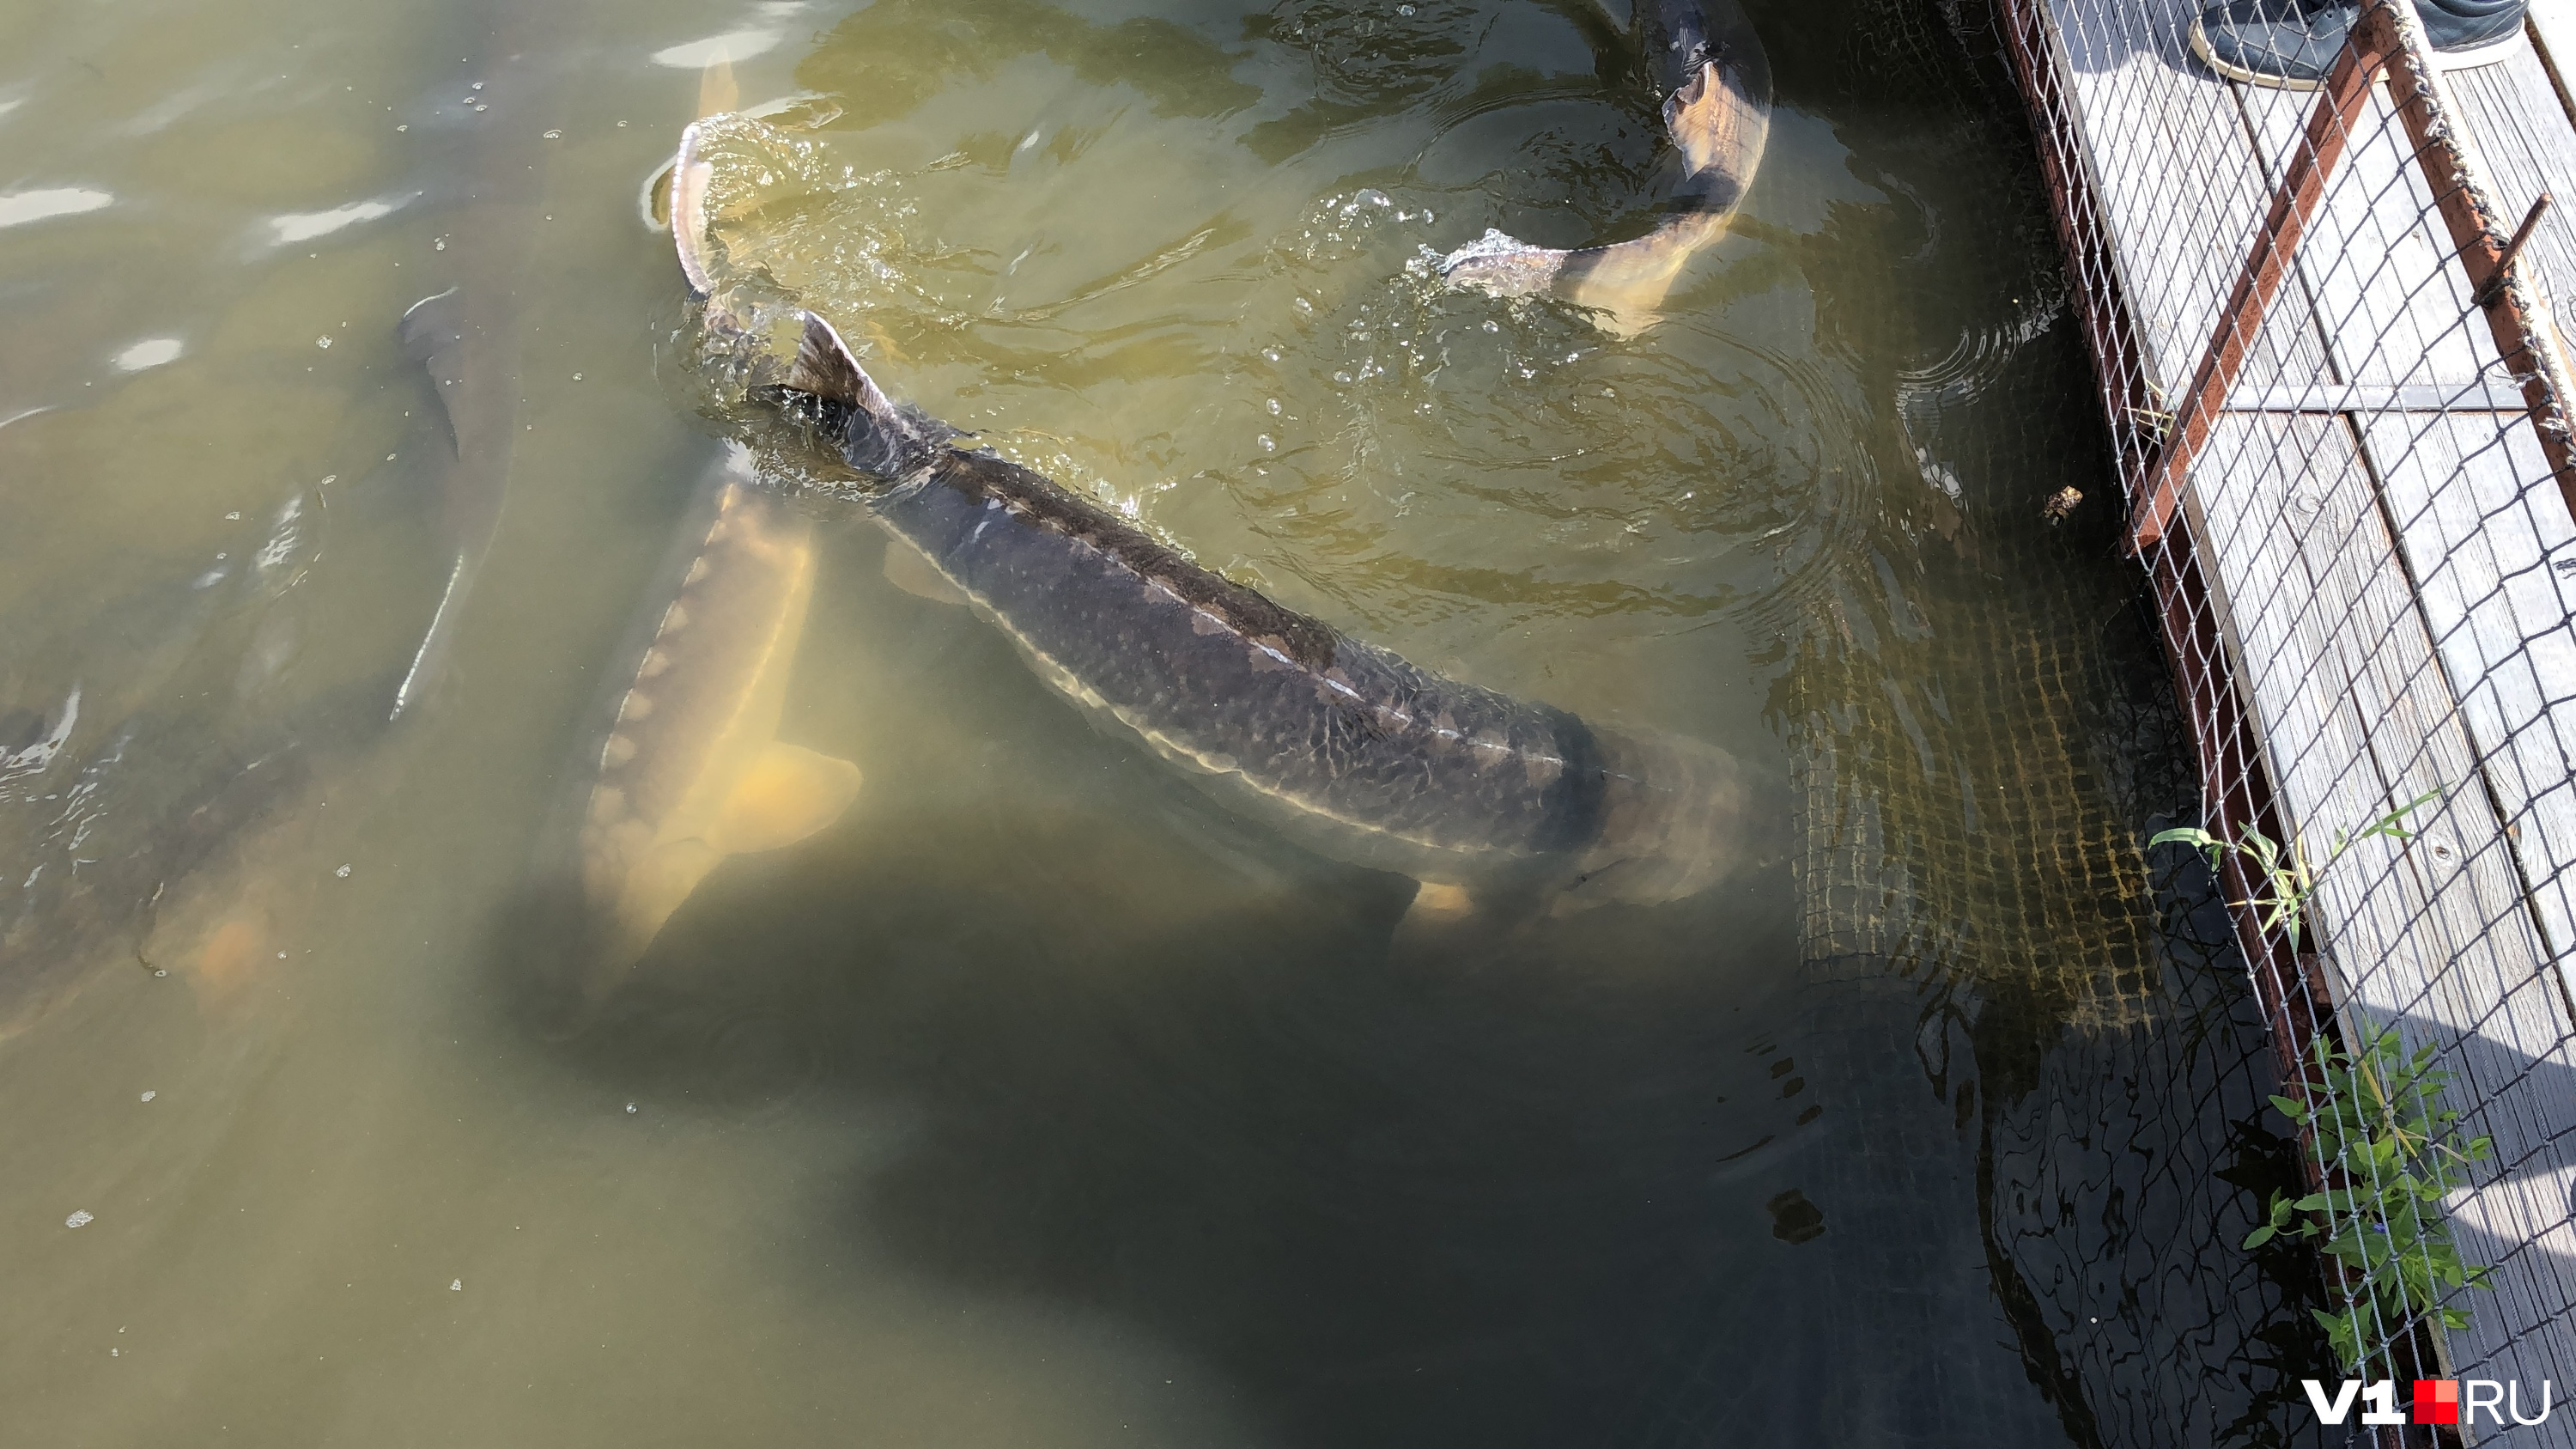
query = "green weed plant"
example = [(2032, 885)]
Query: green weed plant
[(2391, 1149), (2289, 877), (2382, 1130)]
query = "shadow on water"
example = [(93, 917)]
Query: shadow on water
[(1395, 1197)]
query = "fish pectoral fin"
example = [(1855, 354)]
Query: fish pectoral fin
[(789, 793), (909, 570), (1438, 904)]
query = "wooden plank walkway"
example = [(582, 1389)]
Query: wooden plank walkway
[(2395, 572)]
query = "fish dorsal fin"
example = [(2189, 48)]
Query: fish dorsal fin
[(786, 794), (1719, 126), (432, 325), (878, 436), (433, 334), (825, 368)]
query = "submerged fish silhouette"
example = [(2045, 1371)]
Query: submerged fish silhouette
[(690, 769), (1342, 744), (1716, 86)]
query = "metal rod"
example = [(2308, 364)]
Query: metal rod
[(2494, 287), (2530, 354), (2294, 204)]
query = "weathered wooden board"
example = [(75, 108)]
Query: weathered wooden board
[(2485, 536), (2528, 146), (2377, 262), (2384, 543), (2176, 171), (2434, 936)]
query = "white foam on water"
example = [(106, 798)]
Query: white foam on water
[(150, 352), (18, 208), (299, 226), (732, 45)]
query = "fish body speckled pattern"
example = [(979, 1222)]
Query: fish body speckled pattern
[(1339, 743)]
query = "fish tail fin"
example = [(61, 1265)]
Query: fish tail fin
[(879, 436)]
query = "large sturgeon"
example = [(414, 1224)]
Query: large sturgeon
[(1716, 87), (689, 766), (468, 335), (1345, 745)]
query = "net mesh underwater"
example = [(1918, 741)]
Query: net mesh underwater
[(2344, 463)]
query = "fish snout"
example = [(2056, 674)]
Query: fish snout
[(1501, 265)]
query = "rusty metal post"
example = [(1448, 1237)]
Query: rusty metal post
[(2276, 244), (2515, 314)]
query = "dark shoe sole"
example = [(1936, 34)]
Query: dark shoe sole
[(2491, 53)]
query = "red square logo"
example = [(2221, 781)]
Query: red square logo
[(2437, 1401)]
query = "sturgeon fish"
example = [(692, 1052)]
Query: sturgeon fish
[(690, 768), (1716, 89), (468, 336), (1344, 745)]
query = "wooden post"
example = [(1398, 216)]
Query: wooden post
[(2276, 244)]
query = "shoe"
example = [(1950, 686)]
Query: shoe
[(2467, 33), (2291, 44)]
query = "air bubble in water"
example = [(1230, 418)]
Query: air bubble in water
[(322, 342), (79, 1219), (1304, 307), (1268, 443), (1273, 405), (1493, 327), (1270, 354)]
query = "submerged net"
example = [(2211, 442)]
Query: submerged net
[(2338, 419)]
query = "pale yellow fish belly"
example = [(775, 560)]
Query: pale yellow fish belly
[(694, 771)]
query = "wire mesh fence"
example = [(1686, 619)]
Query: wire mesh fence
[(2320, 316)]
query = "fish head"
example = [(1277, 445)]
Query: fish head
[(768, 348), (1501, 265)]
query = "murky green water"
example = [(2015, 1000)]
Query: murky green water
[(1039, 1101)]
